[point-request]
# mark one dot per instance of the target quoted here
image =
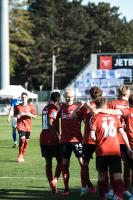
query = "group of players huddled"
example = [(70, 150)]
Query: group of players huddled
[(108, 132)]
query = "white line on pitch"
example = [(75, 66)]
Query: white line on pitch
[(37, 178)]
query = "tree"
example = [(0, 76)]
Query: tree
[(21, 41), (108, 31), (67, 29), (61, 29)]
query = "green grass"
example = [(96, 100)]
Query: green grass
[(27, 180)]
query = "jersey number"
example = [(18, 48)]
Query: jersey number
[(45, 122), (109, 129)]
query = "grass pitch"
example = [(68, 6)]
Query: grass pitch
[(28, 180)]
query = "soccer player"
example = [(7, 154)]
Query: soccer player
[(122, 103), (128, 114), (50, 138), (104, 132), (89, 145), (118, 105), (24, 113), (71, 136), (14, 103), (129, 130)]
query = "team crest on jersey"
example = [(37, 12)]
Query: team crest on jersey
[(54, 114), (44, 112)]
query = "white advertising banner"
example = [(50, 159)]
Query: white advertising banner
[(121, 73)]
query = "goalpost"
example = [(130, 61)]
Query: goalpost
[(4, 44)]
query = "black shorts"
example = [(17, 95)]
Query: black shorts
[(123, 149), (24, 134), (51, 151), (68, 147), (88, 150), (113, 163), (128, 160)]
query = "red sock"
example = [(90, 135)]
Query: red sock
[(102, 189), (58, 169), (21, 146), (84, 175), (126, 176), (25, 148), (132, 178), (49, 173), (111, 181), (65, 173), (118, 188)]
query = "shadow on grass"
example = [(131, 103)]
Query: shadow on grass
[(7, 147), (19, 194)]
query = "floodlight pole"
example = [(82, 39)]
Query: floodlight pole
[(53, 69), (4, 44)]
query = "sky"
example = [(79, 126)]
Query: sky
[(125, 7)]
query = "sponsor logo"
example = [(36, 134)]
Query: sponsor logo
[(105, 62), (123, 62)]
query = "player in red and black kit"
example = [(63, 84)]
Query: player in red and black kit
[(71, 136), (105, 133), (118, 105), (129, 130), (49, 140), (89, 145), (122, 103), (127, 113), (25, 111)]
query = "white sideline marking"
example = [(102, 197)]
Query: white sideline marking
[(37, 178)]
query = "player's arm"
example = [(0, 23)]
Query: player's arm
[(78, 112), (125, 138), (93, 135), (51, 125), (10, 113), (108, 111), (31, 115), (93, 128), (89, 107)]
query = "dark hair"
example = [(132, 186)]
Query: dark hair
[(100, 101), (131, 100), (55, 96), (24, 93), (122, 91), (96, 92)]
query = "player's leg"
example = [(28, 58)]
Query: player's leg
[(47, 152), (66, 154), (118, 185), (85, 178), (91, 150), (116, 169), (102, 184), (126, 177), (58, 168), (129, 163), (102, 168), (26, 143), (58, 156), (14, 132), (48, 169), (49, 174), (132, 181), (77, 147), (22, 139), (126, 170)]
